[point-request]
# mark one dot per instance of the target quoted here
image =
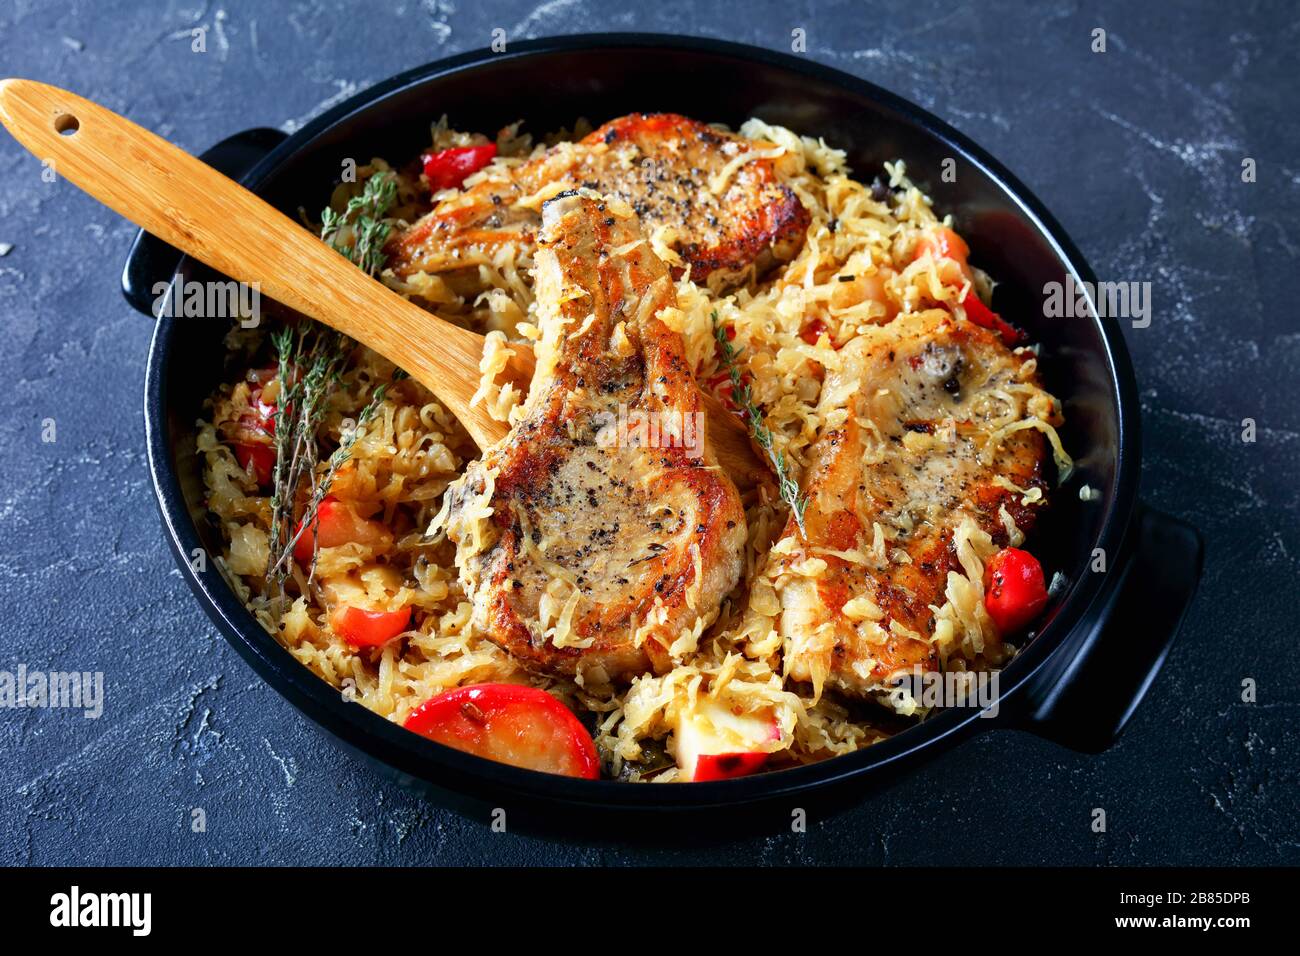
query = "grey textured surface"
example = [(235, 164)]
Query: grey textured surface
[(1138, 151)]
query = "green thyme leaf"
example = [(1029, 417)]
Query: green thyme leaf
[(360, 231), (311, 361), (743, 397)]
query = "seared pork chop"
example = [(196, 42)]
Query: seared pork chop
[(602, 548), (915, 446), (732, 216)]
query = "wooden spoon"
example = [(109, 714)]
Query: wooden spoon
[(190, 205)]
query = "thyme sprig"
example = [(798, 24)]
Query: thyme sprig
[(321, 487), (311, 361), (360, 230), (743, 397)]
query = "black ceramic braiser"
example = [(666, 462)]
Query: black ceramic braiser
[(1106, 632)]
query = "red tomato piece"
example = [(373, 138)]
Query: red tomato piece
[(943, 243), (981, 314), (362, 628), (522, 726), (447, 168), (1014, 590), (337, 524), (260, 414), (260, 457), (722, 386), (812, 332), (263, 375), (258, 421)]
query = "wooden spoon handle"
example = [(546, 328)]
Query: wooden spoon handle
[(190, 205)]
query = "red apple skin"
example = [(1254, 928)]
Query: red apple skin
[(703, 754), (509, 723), (726, 766)]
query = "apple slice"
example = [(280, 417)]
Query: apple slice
[(713, 743), (521, 726)]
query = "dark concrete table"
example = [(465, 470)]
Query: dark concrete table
[(1139, 152)]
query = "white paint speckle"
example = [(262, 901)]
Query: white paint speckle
[(440, 12), (552, 13), (219, 28)]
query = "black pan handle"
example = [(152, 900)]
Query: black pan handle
[(151, 260), (1088, 706)]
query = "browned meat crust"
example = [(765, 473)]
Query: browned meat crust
[(636, 542), (666, 167), (913, 456)]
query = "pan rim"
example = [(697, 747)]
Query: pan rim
[(452, 770)]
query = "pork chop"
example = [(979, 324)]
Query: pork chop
[(915, 446), (591, 544), (732, 216)]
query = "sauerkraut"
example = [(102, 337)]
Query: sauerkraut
[(412, 450)]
